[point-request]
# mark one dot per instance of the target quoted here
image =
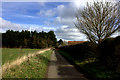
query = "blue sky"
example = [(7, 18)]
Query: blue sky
[(28, 12), (56, 16)]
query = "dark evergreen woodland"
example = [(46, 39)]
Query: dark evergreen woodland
[(27, 39)]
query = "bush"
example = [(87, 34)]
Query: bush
[(80, 51), (110, 53)]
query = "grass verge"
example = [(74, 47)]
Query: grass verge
[(91, 68), (11, 54), (35, 67)]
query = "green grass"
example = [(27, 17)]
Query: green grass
[(34, 68), (92, 67), (11, 54), (98, 71)]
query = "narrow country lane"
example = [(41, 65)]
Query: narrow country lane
[(60, 69)]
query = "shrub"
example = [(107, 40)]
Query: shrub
[(110, 53), (80, 51)]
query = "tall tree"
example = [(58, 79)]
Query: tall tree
[(27, 39), (98, 21), (52, 38)]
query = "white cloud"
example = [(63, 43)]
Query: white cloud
[(47, 13), (64, 21), (66, 11), (25, 16), (5, 25), (38, 28), (82, 3), (66, 16), (68, 33), (42, 3), (47, 23), (115, 34), (79, 3)]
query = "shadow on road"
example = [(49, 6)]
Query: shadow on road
[(62, 69)]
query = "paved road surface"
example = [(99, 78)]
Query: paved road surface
[(60, 69)]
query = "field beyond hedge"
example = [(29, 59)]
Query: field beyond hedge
[(34, 68), (11, 54)]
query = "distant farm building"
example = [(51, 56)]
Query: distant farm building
[(75, 42)]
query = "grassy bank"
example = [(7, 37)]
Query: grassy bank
[(91, 68), (11, 54), (34, 68)]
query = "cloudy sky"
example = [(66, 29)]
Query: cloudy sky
[(43, 16)]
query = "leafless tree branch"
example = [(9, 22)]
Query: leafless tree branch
[(98, 20)]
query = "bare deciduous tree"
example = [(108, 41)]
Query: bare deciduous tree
[(98, 21)]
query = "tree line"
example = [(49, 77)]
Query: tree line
[(27, 39)]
